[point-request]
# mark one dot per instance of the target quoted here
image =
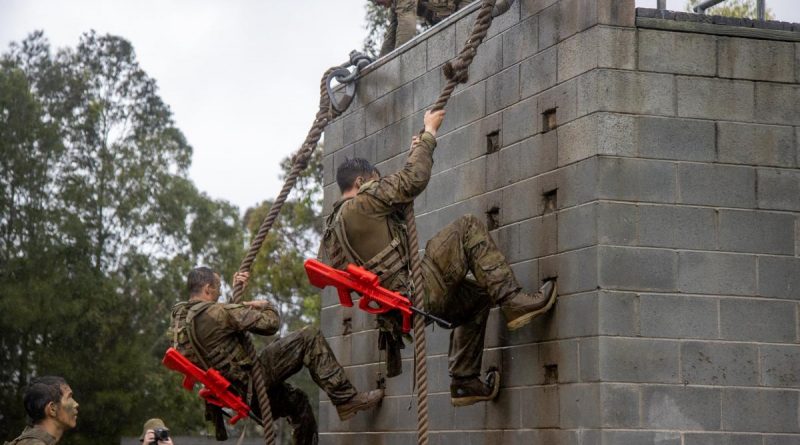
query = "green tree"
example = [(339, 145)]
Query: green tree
[(99, 225), (377, 20), (733, 8)]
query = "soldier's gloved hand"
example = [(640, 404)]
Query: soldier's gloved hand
[(433, 120), (261, 305), (241, 277)]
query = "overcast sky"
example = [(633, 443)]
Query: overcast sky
[(241, 76)]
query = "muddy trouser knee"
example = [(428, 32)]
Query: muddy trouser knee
[(307, 347), (461, 247), (466, 246)]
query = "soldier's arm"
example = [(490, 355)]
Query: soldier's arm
[(402, 187), (258, 319)]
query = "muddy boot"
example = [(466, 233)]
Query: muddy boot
[(522, 307), (359, 402), (468, 390)]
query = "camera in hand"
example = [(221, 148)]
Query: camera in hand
[(160, 434)]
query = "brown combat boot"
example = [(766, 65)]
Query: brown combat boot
[(466, 391), (359, 402), (521, 308)]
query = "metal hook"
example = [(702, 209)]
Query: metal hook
[(345, 77), (501, 7)]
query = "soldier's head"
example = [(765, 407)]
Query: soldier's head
[(49, 399), (204, 283), (354, 172)]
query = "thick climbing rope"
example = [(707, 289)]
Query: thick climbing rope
[(456, 71), (325, 114)]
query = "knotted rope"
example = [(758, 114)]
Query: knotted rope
[(456, 71), (325, 114)]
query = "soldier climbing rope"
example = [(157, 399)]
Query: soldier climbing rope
[(456, 71)]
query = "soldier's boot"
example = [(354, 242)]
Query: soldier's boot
[(360, 402), (469, 390), (520, 308)]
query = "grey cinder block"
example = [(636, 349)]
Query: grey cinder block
[(677, 227), (779, 277), (779, 189), (520, 41), (677, 316), (767, 145), (502, 89), (626, 92), (617, 313), (680, 139), (756, 59), (636, 180), (726, 364), (759, 410), (756, 232), (715, 98), (681, 407), (716, 273), (441, 47), (693, 54), (638, 360), (637, 269), (617, 224), (777, 103), (717, 185), (780, 365), (579, 405), (531, 7), (538, 73), (757, 320), (577, 227), (521, 121), (722, 439), (620, 406)]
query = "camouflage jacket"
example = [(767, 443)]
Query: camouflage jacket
[(216, 331), (369, 230), (362, 228), (32, 435)]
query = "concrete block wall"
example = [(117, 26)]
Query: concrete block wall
[(665, 199)]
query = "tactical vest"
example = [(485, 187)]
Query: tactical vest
[(434, 11), (228, 357), (391, 264)]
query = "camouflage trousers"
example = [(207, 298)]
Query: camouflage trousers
[(285, 357), (462, 247), (402, 26)]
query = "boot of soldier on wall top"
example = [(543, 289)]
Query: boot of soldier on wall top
[(366, 228), (211, 334), (403, 18)]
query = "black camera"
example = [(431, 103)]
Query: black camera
[(160, 434)]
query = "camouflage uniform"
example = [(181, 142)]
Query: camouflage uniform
[(364, 229), (403, 21), (211, 334), (32, 435)]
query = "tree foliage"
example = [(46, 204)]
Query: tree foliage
[(99, 225), (377, 20), (733, 8)]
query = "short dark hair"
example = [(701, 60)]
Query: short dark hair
[(352, 168), (41, 392), (199, 277)]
